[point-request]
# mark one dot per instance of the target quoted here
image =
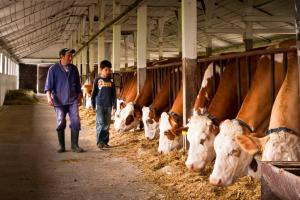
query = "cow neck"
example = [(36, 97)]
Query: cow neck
[(285, 111), (126, 88), (256, 107), (144, 98), (178, 103), (224, 104), (132, 91), (161, 100), (205, 94)]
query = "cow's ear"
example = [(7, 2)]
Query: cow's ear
[(251, 145)]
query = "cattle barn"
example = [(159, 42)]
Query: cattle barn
[(202, 100)]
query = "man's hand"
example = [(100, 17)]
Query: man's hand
[(50, 99), (79, 100)]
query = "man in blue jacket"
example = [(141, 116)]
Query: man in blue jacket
[(64, 93)]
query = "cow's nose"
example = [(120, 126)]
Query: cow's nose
[(216, 182)]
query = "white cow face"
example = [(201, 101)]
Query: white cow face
[(231, 162), (127, 119), (117, 116), (151, 126), (281, 146), (165, 144), (201, 136)]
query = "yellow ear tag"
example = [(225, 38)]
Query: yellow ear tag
[(184, 132)]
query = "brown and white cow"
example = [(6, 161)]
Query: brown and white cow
[(282, 142), (169, 124), (151, 114), (127, 94), (203, 128), (206, 94), (87, 88), (231, 161), (131, 114)]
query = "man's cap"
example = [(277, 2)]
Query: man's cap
[(63, 51)]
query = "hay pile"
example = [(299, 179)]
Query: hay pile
[(20, 97), (169, 171)]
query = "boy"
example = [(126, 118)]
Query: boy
[(103, 100)]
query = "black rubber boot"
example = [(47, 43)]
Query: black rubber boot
[(61, 141), (74, 142)]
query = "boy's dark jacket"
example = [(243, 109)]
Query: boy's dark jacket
[(104, 93)]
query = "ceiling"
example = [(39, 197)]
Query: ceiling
[(39, 28)]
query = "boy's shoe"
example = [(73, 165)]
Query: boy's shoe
[(106, 146)]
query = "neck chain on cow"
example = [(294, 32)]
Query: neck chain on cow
[(277, 130), (244, 124)]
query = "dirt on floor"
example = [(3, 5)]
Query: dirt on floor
[(169, 171)]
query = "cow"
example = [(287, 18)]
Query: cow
[(282, 142), (87, 94), (127, 94), (206, 92), (131, 115), (231, 161), (169, 124), (151, 114), (203, 129)]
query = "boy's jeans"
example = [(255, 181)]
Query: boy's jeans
[(103, 115)]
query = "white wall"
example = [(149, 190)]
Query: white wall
[(7, 82)]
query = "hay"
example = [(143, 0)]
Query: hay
[(169, 171), (20, 97)]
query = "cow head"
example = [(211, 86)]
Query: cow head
[(231, 161), (117, 116), (281, 146), (170, 128), (130, 117), (151, 122), (201, 135)]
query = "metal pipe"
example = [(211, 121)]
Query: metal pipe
[(284, 64), (214, 78), (238, 77), (251, 53), (248, 60)]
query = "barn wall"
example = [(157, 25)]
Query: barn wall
[(28, 77), (7, 82)]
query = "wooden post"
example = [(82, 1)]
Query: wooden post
[(210, 6), (141, 45), (297, 15), (126, 51), (189, 55), (179, 33), (116, 37), (101, 38), (161, 23), (248, 34), (91, 32)]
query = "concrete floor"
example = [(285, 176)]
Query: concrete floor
[(30, 168)]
